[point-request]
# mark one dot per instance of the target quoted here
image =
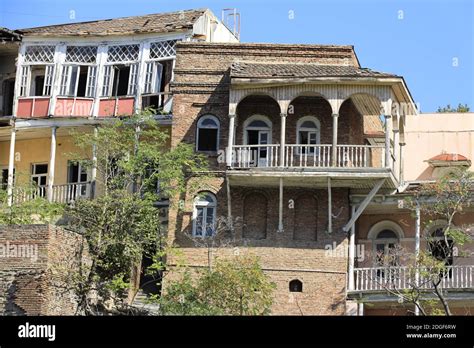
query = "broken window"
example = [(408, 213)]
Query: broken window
[(207, 133), (36, 78), (120, 80), (79, 75)]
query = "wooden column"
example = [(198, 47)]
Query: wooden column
[(282, 139), (335, 118), (52, 164), (388, 130), (329, 206), (94, 164), (230, 140), (351, 253), (11, 166), (280, 207)]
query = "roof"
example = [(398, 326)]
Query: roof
[(449, 157), (243, 69), (8, 35), (151, 23)]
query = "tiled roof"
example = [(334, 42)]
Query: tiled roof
[(286, 70), (449, 157), (152, 23)]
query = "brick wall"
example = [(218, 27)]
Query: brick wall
[(34, 283)]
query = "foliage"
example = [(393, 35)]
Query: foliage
[(34, 209), (236, 286), (460, 108), (122, 224), (444, 199)]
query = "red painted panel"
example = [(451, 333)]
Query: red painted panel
[(24, 108), (106, 107), (64, 107), (125, 106), (41, 108)]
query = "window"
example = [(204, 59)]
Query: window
[(38, 71), (39, 177), (296, 286), (153, 72), (36, 80), (120, 80), (4, 183), (208, 134), (308, 133), (385, 236), (163, 49), (204, 215), (78, 81), (440, 247)]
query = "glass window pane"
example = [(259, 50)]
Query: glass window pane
[(308, 124), (258, 123)]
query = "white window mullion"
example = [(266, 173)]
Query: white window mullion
[(91, 81), (132, 80)]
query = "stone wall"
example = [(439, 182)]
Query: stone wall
[(36, 263)]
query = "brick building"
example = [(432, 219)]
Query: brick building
[(309, 152), (306, 149)]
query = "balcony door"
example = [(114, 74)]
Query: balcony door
[(258, 132), (77, 180)]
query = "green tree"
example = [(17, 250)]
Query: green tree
[(236, 286), (444, 199), (448, 108), (122, 224), (28, 207)]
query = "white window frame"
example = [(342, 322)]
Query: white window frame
[(199, 127), (66, 76), (33, 175), (263, 118), (316, 131), (26, 79), (153, 77), (201, 203), (379, 227)]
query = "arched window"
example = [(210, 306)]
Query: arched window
[(440, 247), (204, 215), (296, 285), (385, 236), (258, 130), (207, 134), (308, 133)]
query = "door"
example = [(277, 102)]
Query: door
[(260, 155), (77, 178)]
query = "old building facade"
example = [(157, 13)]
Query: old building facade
[(310, 154)]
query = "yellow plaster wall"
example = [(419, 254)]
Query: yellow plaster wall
[(37, 150)]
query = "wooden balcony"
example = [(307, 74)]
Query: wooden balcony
[(33, 107), (66, 193), (308, 156), (381, 279)]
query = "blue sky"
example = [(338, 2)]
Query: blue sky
[(430, 43)]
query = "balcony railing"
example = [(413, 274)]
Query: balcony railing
[(404, 277), (308, 156), (66, 193)]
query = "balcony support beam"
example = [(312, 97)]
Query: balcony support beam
[(52, 164), (280, 207), (335, 118), (11, 166), (329, 206), (388, 131), (363, 205), (282, 139), (94, 163), (351, 284), (230, 140)]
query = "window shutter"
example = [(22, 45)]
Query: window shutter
[(108, 78), (24, 79), (91, 81), (48, 79), (132, 80)]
